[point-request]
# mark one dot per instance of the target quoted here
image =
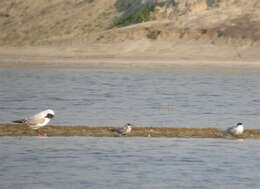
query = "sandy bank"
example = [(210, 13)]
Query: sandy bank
[(16, 130), (131, 54)]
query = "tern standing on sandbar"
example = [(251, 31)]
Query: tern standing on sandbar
[(37, 121), (124, 130), (236, 130)]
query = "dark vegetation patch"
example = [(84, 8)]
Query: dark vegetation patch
[(153, 34), (241, 28), (132, 13)]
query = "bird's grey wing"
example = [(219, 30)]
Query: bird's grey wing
[(230, 130), (123, 130), (225, 131), (34, 121), (38, 116), (119, 131), (19, 121)]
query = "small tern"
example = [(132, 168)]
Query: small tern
[(236, 130), (124, 130)]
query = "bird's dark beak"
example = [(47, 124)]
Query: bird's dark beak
[(50, 116)]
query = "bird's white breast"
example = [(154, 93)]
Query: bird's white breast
[(128, 130), (239, 129)]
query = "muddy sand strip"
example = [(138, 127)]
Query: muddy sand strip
[(95, 131)]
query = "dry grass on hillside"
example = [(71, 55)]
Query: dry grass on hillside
[(29, 21), (81, 21)]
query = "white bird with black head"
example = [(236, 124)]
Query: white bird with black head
[(236, 130), (38, 120)]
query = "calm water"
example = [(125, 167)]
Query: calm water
[(86, 162), (177, 97)]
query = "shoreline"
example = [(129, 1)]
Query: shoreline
[(132, 63), (95, 131), (116, 55)]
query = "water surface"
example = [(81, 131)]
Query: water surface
[(86, 162), (166, 98), (174, 97)]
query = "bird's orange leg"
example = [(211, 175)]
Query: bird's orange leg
[(39, 133)]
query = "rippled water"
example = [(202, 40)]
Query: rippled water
[(174, 97), (86, 162)]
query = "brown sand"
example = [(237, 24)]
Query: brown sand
[(156, 55), (20, 130)]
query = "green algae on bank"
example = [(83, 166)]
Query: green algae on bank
[(22, 130)]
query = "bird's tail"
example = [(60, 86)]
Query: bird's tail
[(19, 121), (113, 130), (223, 131)]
